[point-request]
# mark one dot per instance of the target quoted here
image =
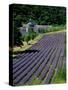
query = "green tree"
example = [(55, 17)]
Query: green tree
[(16, 32), (41, 14)]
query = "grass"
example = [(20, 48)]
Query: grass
[(35, 81), (55, 28), (26, 46), (60, 76), (52, 32)]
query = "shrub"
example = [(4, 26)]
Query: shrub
[(27, 38), (32, 34)]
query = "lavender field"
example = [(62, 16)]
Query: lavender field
[(40, 62)]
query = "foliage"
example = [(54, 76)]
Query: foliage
[(32, 34), (55, 28), (35, 81), (45, 15), (40, 14), (60, 76), (15, 23), (17, 38), (27, 38), (41, 30)]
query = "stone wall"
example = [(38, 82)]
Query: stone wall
[(25, 28)]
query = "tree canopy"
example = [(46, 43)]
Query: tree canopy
[(42, 15)]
